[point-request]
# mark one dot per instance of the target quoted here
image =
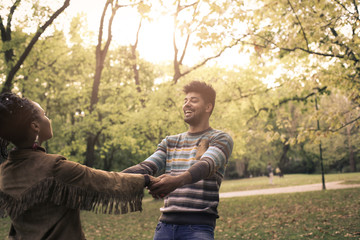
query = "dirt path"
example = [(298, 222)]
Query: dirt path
[(302, 188)]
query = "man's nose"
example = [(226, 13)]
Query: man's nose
[(186, 104)]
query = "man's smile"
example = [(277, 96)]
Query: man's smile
[(188, 113)]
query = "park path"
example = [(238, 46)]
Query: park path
[(301, 188)]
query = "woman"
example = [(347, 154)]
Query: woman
[(44, 193)]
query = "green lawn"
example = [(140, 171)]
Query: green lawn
[(287, 180), (330, 214)]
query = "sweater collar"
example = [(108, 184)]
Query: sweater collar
[(199, 133)]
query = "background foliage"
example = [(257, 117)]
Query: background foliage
[(304, 55)]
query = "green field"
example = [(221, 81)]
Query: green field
[(287, 180), (330, 214)]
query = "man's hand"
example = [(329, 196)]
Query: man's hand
[(153, 180), (167, 183)]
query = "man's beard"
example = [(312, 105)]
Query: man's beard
[(194, 120)]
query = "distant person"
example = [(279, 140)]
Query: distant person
[(194, 165), (43, 193), (269, 170), (278, 172)]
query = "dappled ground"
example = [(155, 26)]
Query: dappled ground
[(287, 181), (330, 214), (301, 188)]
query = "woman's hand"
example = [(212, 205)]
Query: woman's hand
[(166, 183)]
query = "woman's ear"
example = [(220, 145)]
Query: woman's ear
[(35, 126)]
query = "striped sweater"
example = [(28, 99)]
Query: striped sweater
[(194, 203)]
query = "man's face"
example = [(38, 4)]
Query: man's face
[(195, 109)]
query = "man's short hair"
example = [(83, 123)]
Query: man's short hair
[(206, 91)]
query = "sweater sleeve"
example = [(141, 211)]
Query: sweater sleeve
[(213, 154), (154, 165), (218, 152)]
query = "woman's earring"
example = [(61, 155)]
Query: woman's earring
[(36, 143)]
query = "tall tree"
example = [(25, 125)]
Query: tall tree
[(100, 56), (101, 52)]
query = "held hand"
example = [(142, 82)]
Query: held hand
[(164, 186), (153, 180), (168, 183)]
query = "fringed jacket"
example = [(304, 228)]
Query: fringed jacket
[(44, 193)]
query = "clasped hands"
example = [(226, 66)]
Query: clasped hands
[(161, 186)]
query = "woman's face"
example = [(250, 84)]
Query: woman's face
[(44, 124)]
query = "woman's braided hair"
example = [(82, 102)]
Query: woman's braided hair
[(16, 114)]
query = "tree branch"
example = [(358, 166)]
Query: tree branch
[(3, 30), (344, 7), (356, 9), (344, 125), (210, 58), (342, 56), (134, 58), (257, 114), (189, 34), (12, 10), (101, 27), (180, 8), (302, 29), (6, 32), (286, 100), (16, 67)]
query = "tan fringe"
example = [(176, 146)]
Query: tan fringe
[(51, 190)]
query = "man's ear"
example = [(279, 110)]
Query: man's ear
[(209, 107)]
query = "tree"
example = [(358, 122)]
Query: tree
[(15, 64), (203, 24), (324, 32), (101, 52)]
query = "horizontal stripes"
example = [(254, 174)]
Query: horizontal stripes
[(189, 203), (195, 196), (177, 153)]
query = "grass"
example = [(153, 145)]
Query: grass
[(286, 181), (333, 214), (330, 214)]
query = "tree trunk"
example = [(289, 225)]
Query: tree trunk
[(6, 32), (90, 151), (351, 151), (108, 160), (283, 158), (100, 59), (134, 59)]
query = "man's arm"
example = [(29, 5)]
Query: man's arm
[(168, 183), (153, 165), (215, 156), (145, 167)]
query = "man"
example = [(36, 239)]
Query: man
[(194, 164), (270, 173)]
